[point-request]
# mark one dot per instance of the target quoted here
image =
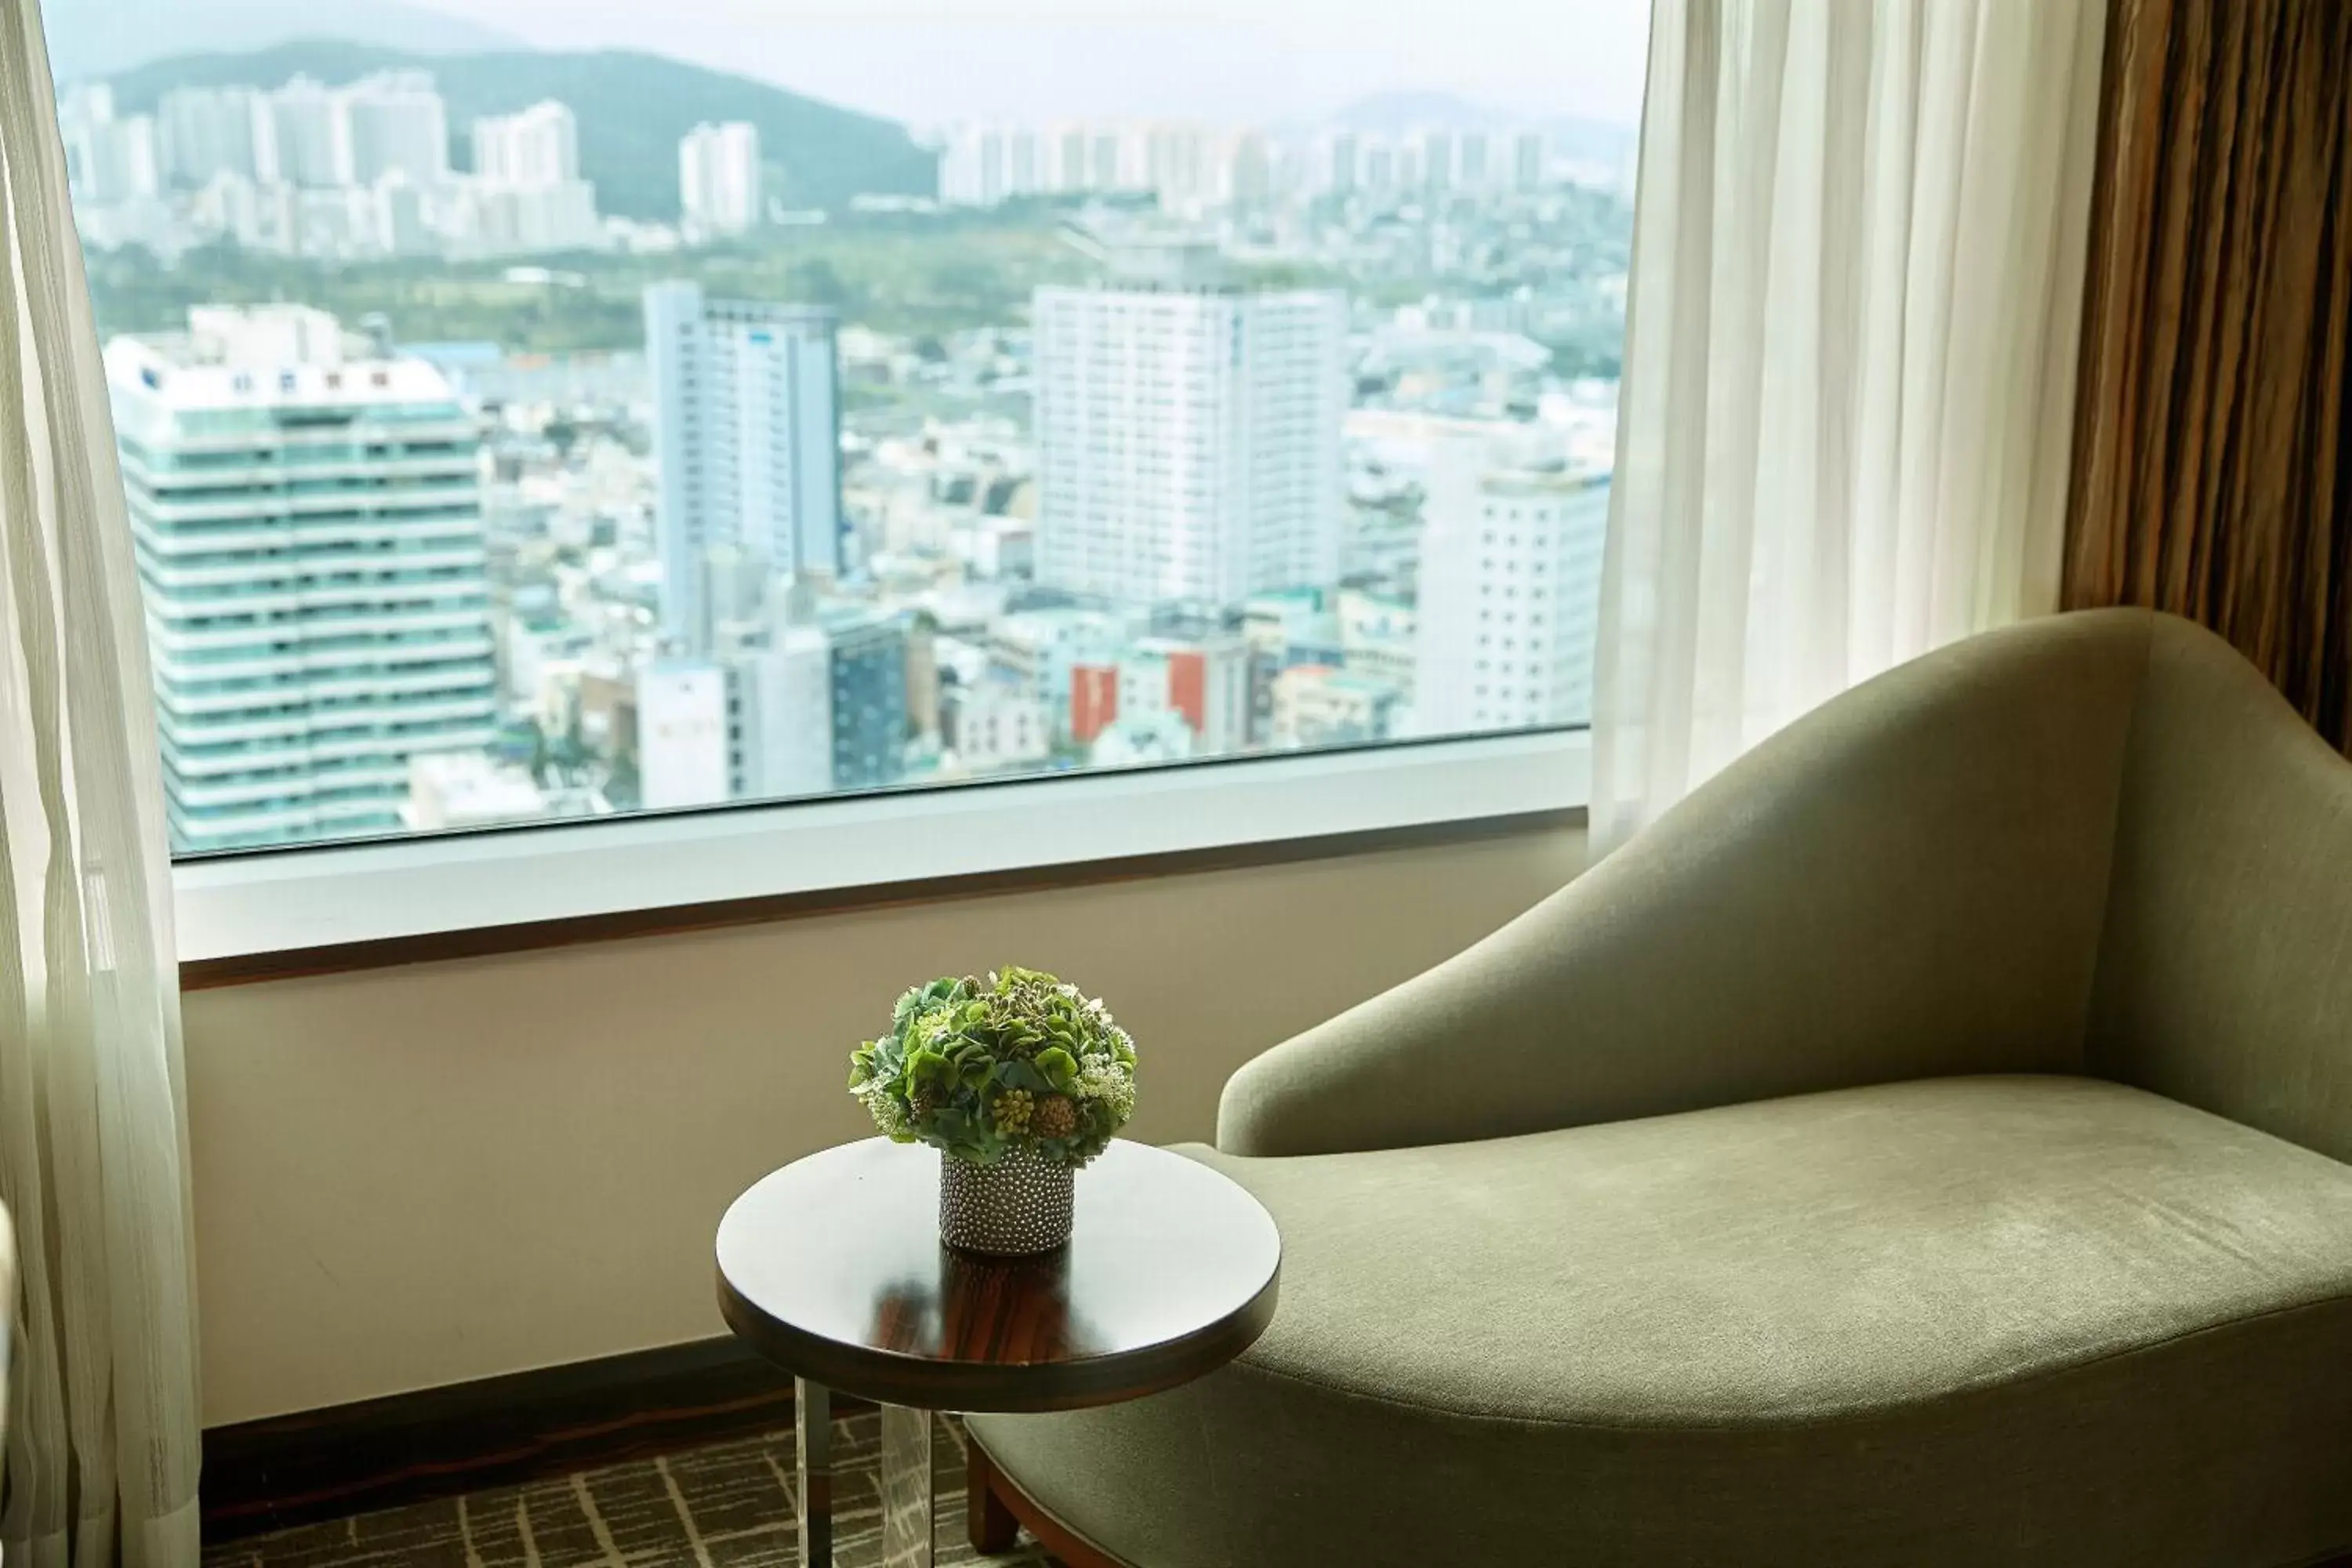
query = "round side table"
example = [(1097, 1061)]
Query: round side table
[(832, 1268)]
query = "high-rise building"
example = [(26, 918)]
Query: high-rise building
[(1114, 167), (1411, 160), (307, 526), (866, 672), (1190, 168), (1436, 149), (537, 146), (1024, 162), (83, 103), (1185, 166), (806, 708), (1245, 171), (718, 179), (747, 438), (1510, 593), (1529, 158), (107, 159), (1069, 160), (781, 711), (392, 124), (204, 132), (1337, 161), (982, 163), (302, 137), (1474, 160), (1188, 433), (972, 171), (527, 193)]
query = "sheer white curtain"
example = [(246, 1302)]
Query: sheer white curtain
[(1848, 390), (102, 1449)]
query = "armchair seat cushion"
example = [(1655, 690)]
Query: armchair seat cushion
[(1962, 1319)]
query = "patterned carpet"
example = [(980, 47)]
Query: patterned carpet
[(731, 1505)]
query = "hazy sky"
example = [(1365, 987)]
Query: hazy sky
[(932, 61)]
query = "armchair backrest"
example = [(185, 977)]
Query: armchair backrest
[(1908, 882), (2092, 843), (2224, 975)]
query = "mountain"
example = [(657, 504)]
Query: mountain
[(100, 37), (632, 109)]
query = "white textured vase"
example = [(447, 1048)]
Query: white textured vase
[(1020, 1204)]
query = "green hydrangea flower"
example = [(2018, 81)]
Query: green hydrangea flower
[(969, 1063)]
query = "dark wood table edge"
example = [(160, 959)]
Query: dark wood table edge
[(917, 1383)]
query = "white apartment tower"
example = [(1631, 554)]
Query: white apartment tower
[(1188, 434), (538, 146), (107, 159), (527, 192), (1530, 160), (1337, 168), (747, 445), (308, 528), (301, 136), (1510, 595), (392, 124), (718, 178), (1436, 150), (1188, 168), (206, 132), (973, 172)]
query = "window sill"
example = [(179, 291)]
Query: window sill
[(363, 906)]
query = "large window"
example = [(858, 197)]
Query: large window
[(563, 410)]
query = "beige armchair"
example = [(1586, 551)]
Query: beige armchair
[(1924, 1145)]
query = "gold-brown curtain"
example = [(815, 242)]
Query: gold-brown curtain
[(2212, 474)]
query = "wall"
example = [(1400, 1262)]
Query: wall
[(421, 1176)]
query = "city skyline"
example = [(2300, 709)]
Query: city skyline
[(1044, 58), (844, 461)]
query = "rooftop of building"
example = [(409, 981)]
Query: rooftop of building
[(265, 356), (689, 296), (1155, 257)]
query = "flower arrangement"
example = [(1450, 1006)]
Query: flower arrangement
[(980, 1068)]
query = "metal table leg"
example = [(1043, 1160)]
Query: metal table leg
[(812, 1447), (906, 1479), (906, 1487)]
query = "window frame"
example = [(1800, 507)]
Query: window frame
[(237, 908)]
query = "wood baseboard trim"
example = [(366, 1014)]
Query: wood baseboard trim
[(287, 1470)]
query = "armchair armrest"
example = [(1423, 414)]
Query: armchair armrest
[(1908, 882)]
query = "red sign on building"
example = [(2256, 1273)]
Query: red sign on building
[(1094, 700)]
